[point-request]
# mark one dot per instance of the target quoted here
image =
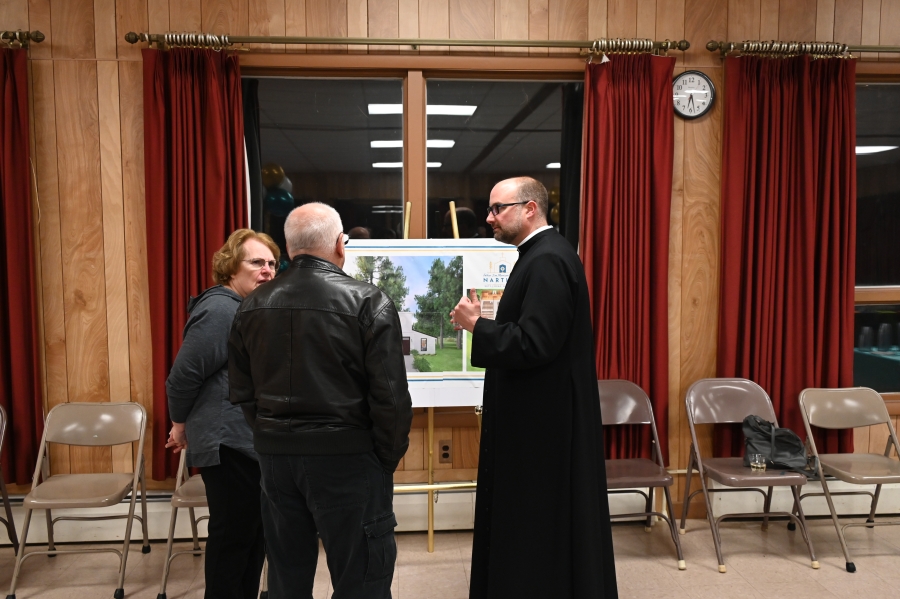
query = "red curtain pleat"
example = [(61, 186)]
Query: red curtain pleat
[(624, 240), (788, 233), (196, 196), (20, 383)]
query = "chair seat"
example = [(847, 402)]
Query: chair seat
[(731, 472), (191, 494), (636, 472), (861, 468), (79, 490)]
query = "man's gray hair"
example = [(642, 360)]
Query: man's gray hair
[(316, 233)]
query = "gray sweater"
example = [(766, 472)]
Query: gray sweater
[(197, 387)]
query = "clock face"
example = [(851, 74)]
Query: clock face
[(693, 94)]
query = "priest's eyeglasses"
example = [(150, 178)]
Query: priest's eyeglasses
[(258, 263), (496, 208)]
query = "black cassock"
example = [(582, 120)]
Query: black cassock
[(541, 515)]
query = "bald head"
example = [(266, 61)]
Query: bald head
[(526, 189), (314, 229)]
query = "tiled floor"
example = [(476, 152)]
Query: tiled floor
[(760, 564)]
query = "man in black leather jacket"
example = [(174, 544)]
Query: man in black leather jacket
[(315, 361)]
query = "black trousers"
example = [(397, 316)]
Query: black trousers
[(235, 548), (348, 501)]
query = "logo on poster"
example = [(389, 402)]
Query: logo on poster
[(495, 275)]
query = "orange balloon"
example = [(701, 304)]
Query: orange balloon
[(272, 175)]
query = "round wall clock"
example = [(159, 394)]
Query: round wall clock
[(693, 94)]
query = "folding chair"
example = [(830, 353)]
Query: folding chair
[(845, 409), (623, 402), (91, 425), (190, 493), (729, 401), (8, 521)]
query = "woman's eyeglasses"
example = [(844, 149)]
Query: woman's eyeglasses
[(258, 263)]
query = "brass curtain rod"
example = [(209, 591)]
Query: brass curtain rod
[(19, 38), (793, 48), (599, 46)]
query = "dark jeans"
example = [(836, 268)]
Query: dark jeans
[(348, 501), (235, 548)]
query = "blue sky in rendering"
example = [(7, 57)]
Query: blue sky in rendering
[(416, 270)]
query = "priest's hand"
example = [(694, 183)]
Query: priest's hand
[(466, 312)]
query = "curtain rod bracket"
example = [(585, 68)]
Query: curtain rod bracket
[(20, 39)]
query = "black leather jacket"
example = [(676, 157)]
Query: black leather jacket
[(316, 362)]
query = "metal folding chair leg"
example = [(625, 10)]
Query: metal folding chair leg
[(675, 536), (687, 491), (767, 505), (713, 525), (8, 522), (264, 593), (851, 567), (50, 545), (19, 556), (801, 518)]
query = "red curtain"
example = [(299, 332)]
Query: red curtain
[(196, 195), (624, 241), (20, 384), (788, 232)]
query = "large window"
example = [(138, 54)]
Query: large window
[(877, 319), (481, 132), (338, 141), (374, 146)]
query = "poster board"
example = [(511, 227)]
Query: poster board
[(426, 278)]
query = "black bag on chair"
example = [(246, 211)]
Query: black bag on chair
[(781, 446)]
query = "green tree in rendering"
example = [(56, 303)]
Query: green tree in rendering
[(384, 274), (444, 290)]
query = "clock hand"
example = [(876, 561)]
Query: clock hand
[(691, 101)]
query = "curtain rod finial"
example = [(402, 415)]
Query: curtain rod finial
[(132, 38), (713, 45)]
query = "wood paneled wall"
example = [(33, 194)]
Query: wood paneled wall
[(87, 149)]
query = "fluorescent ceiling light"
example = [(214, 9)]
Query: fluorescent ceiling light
[(450, 109), (385, 108), (400, 164), (439, 109), (873, 149), (553, 165), (398, 143)]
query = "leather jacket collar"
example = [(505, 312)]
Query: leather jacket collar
[(310, 261)]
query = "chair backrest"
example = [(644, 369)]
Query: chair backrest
[(843, 408), (623, 402), (95, 423), (722, 401), (2, 426)]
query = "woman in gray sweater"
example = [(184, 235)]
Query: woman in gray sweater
[(213, 432)]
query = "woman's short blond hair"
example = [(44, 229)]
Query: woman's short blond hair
[(227, 260)]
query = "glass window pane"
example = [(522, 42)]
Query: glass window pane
[(481, 132), (338, 141), (878, 184), (876, 355)]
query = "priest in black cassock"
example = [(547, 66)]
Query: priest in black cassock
[(542, 525)]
